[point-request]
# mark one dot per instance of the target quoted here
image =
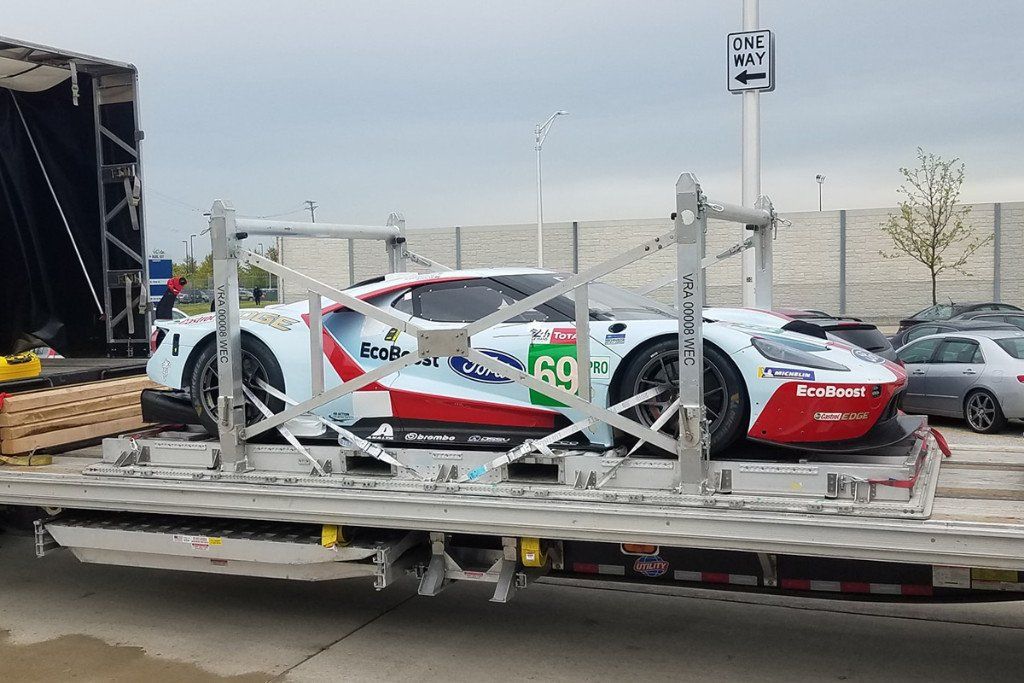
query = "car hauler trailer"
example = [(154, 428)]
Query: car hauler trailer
[(864, 523)]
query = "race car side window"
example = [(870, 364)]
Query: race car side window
[(464, 301), (919, 352)]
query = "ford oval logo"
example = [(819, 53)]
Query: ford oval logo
[(477, 373)]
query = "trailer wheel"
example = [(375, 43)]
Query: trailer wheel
[(258, 363), (724, 392)]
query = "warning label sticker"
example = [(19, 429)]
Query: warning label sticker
[(197, 542)]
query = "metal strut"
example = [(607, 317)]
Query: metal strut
[(504, 571), (345, 437)]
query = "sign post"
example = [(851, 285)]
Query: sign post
[(751, 69)]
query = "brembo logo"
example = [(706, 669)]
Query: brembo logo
[(830, 391), (416, 436)]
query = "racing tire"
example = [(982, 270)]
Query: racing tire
[(258, 363), (725, 394), (983, 413)]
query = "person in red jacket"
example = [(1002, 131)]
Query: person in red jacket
[(166, 305)]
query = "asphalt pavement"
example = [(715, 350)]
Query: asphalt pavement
[(63, 620)]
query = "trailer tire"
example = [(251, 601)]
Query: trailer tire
[(258, 362), (724, 392)]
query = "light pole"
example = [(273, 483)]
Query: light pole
[(185, 242), (821, 181), (540, 133), (756, 293), (192, 249)]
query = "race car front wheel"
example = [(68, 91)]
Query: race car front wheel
[(658, 364), (258, 365)]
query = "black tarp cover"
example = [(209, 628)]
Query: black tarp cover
[(44, 295)]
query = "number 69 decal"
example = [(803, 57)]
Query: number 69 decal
[(556, 364)]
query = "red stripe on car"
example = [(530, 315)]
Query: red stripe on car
[(418, 406)]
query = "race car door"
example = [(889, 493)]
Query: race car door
[(459, 398), (354, 344)]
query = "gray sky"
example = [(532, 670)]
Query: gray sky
[(429, 108)]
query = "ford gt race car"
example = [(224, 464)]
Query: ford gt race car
[(760, 382)]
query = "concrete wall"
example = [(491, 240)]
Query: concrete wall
[(808, 258)]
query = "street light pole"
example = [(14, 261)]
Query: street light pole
[(540, 132), (185, 242), (192, 263), (821, 181)]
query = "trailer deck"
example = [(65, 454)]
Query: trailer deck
[(977, 517)]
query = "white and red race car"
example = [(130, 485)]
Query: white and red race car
[(761, 382)]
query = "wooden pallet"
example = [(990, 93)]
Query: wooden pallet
[(62, 416)]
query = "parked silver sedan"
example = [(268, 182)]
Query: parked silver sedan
[(978, 376)]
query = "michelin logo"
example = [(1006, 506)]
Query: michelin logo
[(786, 373), (830, 391)]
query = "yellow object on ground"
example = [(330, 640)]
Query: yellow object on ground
[(19, 366), (26, 460)]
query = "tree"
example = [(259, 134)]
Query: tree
[(931, 227)]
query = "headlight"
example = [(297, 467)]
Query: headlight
[(790, 356)]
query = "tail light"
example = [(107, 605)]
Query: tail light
[(639, 549), (1020, 378), (155, 339)]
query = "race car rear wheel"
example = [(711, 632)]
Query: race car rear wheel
[(258, 364), (724, 392)]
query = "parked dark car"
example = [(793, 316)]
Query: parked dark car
[(803, 313), (189, 296), (856, 332), (943, 326), (950, 310), (1011, 317)]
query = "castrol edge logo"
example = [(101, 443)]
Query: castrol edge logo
[(830, 391)]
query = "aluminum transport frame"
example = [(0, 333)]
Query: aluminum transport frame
[(690, 479), (820, 509)]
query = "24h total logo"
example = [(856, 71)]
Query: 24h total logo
[(650, 565)]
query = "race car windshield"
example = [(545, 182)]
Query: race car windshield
[(607, 302)]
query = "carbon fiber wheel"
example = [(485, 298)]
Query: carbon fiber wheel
[(724, 392), (258, 364)]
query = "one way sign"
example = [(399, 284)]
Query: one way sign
[(751, 61)]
